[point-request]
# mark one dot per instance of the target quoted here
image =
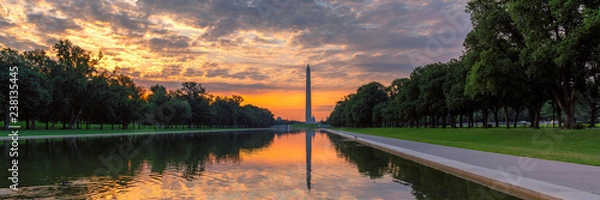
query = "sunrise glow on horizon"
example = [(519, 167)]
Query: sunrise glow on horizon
[(253, 48)]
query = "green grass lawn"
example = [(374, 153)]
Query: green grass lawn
[(576, 146), (103, 131)]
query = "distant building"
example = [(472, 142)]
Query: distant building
[(310, 119)]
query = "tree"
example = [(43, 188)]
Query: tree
[(252, 116), (498, 69), (454, 88), (32, 88), (9, 58), (163, 112), (126, 102), (71, 89), (393, 113), (407, 100), (196, 96), (183, 111), (519, 55), (37, 86), (559, 37), (367, 97), (395, 87), (431, 92), (225, 111), (76, 75), (339, 115)]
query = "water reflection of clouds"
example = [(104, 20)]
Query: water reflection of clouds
[(241, 165), (276, 172), (331, 183)]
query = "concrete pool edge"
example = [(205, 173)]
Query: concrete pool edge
[(23, 137), (525, 188)]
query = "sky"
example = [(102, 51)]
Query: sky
[(258, 49)]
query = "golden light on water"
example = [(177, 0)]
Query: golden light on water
[(228, 165), (275, 172)]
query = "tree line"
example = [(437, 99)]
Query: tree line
[(521, 56), (70, 90)]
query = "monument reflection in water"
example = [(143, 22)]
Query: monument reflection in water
[(247, 165), (310, 133)]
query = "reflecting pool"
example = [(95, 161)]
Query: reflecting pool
[(234, 165)]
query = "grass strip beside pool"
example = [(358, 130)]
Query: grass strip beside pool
[(59, 132), (575, 146)]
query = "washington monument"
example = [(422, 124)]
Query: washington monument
[(309, 117)]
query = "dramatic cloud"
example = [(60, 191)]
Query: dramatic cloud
[(247, 46), (169, 43), (49, 24)]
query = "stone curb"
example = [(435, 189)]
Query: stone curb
[(125, 134)]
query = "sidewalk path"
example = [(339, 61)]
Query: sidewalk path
[(520, 176)]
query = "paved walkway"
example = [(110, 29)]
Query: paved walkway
[(526, 177)]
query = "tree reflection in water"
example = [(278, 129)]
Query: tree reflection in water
[(426, 182), (45, 162), (301, 164)]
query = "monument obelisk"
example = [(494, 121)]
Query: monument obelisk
[(308, 98)]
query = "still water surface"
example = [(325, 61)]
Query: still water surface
[(236, 165)]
